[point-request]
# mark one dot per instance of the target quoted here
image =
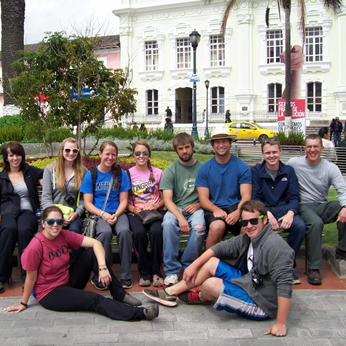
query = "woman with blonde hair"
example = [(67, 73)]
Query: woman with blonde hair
[(62, 180), (145, 195), (111, 215)]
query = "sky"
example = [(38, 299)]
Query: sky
[(63, 15)]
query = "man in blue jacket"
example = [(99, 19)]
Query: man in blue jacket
[(276, 185)]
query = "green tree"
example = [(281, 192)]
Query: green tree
[(61, 71), (12, 31)]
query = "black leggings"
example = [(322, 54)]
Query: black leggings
[(72, 297)]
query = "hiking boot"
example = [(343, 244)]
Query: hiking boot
[(314, 277), (151, 312), (126, 283), (191, 298), (131, 300), (296, 279), (144, 282), (157, 280), (171, 280), (161, 296), (2, 287), (340, 254), (98, 285)]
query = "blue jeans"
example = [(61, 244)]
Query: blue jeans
[(171, 231), (337, 138), (296, 232)]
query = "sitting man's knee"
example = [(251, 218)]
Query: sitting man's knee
[(200, 231)]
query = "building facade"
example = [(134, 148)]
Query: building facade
[(244, 69)]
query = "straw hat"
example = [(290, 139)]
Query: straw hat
[(221, 132)]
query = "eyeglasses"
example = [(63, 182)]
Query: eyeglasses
[(144, 153), (272, 139), (51, 222), (254, 221), (68, 150)]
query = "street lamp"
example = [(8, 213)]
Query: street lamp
[(206, 132), (194, 39)]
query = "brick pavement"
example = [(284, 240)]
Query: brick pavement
[(317, 317)]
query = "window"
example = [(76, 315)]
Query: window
[(314, 97), (218, 100), (274, 46), (217, 51), (183, 53), (152, 102), (274, 94), (151, 56), (314, 44)]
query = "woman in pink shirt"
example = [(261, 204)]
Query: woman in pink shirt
[(145, 195), (59, 287)]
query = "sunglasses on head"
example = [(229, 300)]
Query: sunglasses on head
[(51, 222), (68, 150), (144, 153), (254, 221)]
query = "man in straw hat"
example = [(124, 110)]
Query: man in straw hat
[(224, 183)]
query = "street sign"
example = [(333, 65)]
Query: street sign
[(84, 93), (194, 78)]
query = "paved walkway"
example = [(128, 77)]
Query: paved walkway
[(317, 317)]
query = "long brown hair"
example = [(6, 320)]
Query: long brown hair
[(16, 149), (144, 143), (77, 165), (115, 165)]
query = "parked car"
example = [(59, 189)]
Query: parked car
[(249, 130)]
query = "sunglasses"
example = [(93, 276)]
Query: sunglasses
[(144, 153), (51, 222), (254, 221), (68, 150)]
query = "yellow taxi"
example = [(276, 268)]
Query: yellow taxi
[(249, 130)]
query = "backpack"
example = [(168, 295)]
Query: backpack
[(93, 173)]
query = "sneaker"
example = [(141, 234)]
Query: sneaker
[(296, 279), (126, 283), (340, 254), (131, 300), (98, 285), (144, 282), (151, 312), (161, 296), (2, 287), (157, 280), (191, 298), (171, 280), (314, 277)]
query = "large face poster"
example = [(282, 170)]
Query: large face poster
[(298, 116)]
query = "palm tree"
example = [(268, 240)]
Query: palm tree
[(334, 5), (12, 27)]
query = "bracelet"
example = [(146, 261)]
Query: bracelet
[(104, 268), (26, 305), (102, 213), (102, 265)]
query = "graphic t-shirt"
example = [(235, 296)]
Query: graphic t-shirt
[(101, 189), (181, 180), (144, 191), (52, 264)]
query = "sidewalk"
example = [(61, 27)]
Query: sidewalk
[(317, 317)]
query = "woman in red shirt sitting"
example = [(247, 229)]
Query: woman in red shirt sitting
[(59, 287)]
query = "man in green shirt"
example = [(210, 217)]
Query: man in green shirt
[(184, 212)]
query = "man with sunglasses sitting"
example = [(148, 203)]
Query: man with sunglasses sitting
[(276, 185), (258, 286)]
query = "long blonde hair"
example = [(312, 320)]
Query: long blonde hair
[(77, 165)]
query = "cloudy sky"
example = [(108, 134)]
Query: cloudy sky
[(56, 15)]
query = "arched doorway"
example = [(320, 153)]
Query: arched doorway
[(183, 105)]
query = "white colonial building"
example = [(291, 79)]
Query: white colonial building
[(245, 72)]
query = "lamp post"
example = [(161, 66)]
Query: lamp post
[(194, 39), (206, 132)]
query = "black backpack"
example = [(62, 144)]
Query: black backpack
[(93, 173)]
